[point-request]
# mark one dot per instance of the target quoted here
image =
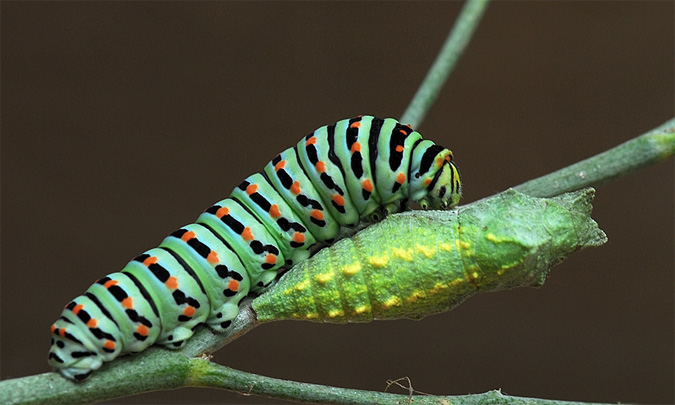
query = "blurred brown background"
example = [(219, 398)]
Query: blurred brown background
[(123, 121)]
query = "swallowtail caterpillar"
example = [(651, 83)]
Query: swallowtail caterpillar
[(336, 177)]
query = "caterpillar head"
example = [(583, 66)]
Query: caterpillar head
[(435, 182)]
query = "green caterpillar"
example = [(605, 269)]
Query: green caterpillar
[(337, 176), (420, 263)]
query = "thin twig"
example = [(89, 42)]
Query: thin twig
[(645, 150), (452, 49)]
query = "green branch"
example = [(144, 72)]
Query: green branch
[(214, 375), (452, 49), (653, 147), (171, 370)]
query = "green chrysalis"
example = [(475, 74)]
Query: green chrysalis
[(420, 263)]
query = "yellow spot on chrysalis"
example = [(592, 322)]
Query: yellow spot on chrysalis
[(447, 247), (336, 313), (309, 315), (302, 285), (465, 245), (351, 269), (393, 301), (324, 277), (491, 237), (438, 288), (405, 254), (429, 252), (362, 309), (457, 282), (465, 248), (417, 294), (378, 261)]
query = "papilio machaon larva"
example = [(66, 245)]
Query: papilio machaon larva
[(356, 169)]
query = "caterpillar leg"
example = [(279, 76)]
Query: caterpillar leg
[(223, 317), (394, 207)]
